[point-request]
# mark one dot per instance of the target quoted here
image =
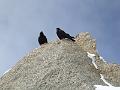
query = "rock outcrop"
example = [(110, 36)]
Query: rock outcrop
[(110, 71), (61, 65)]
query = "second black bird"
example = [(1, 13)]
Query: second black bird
[(42, 38), (62, 35)]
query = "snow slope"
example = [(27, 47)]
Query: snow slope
[(100, 87)]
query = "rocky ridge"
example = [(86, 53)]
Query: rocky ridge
[(61, 65)]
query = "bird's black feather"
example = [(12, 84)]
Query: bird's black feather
[(62, 35), (42, 38)]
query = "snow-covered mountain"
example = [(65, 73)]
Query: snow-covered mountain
[(63, 65)]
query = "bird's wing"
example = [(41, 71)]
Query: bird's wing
[(67, 35)]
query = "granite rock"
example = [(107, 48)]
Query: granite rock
[(61, 65)]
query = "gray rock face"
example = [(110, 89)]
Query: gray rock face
[(111, 72), (86, 42), (59, 65)]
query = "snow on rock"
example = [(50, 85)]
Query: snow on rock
[(92, 56), (102, 59), (102, 77), (7, 71), (100, 87)]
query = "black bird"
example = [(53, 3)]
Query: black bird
[(42, 38), (62, 35)]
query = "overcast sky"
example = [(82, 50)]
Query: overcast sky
[(22, 20)]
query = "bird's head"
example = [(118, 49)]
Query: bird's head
[(58, 29), (41, 33)]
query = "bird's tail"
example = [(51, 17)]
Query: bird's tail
[(73, 39)]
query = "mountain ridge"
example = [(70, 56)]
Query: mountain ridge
[(61, 65)]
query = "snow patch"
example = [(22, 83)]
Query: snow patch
[(92, 56), (7, 71), (102, 59), (100, 87), (102, 77)]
